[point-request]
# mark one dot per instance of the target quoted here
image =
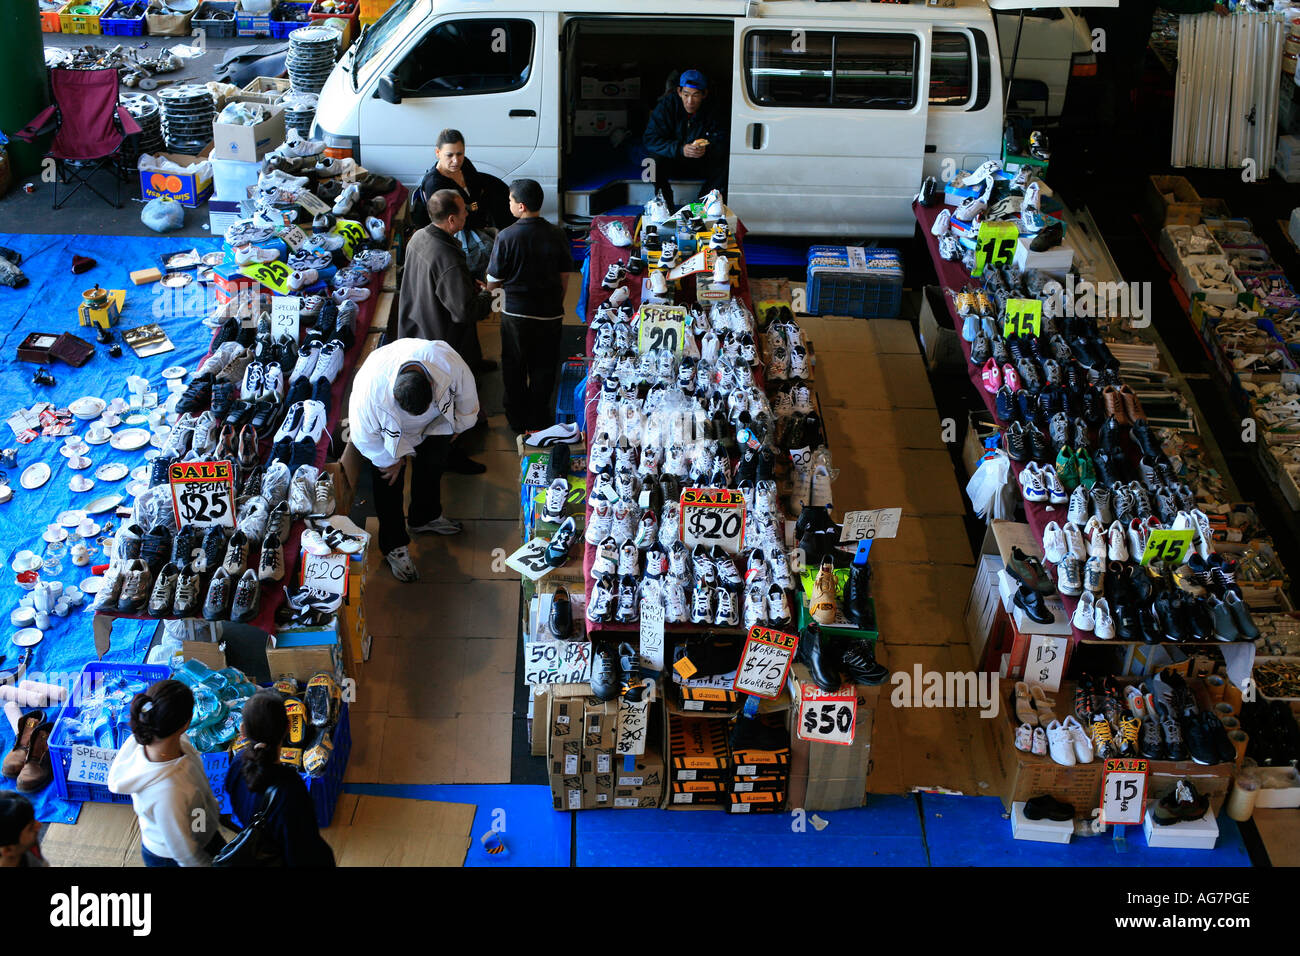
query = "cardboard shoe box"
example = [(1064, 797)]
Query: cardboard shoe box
[(698, 749), (707, 700), (248, 143), (757, 801), (641, 787)]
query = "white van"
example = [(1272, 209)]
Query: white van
[(837, 110)]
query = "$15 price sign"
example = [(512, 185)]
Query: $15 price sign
[(1168, 546), (661, 327), (203, 493), (765, 662), (995, 245), (1124, 790), (826, 718), (713, 516), (1045, 662)]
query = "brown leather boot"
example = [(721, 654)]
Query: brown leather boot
[(37, 772), (1132, 407), (17, 756), (1114, 402)]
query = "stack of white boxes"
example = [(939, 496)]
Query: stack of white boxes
[(230, 181)]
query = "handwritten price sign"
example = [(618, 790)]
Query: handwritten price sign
[(1124, 790), (354, 236), (868, 525), (326, 572), (557, 662), (530, 560), (661, 327), (203, 493), (995, 245), (273, 275), (765, 662), (634, 723), (826, 718), (713, 516), (1169, 547), (1023, 317)]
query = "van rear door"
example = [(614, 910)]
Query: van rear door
[(484, 74), (828, 125)]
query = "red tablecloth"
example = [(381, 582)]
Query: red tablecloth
[(603, 252), (273, 598)]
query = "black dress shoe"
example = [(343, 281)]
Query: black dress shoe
[(1048, 808), (1031, 602), (461, 464), (818, 652), (561, 614)]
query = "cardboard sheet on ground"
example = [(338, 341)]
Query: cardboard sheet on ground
[(388, 831)]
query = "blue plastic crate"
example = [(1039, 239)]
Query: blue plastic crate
[(113, 24), (866, 283), (280, 29), (61, 756), (216, 29), (572, 374)]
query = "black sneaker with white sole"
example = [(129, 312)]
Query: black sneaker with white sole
[(247, 598), (218, 599)]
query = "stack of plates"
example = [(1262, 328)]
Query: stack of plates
[(312, 51), (299, 109), (187, 113), (146, 111)]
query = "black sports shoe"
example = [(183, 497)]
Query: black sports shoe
[(860, 665), (196, 395), (1199, 743), (184, 543), (1046, 807), (156, 547), (214, 547), (158, 471), (223, 396), (605, 674)]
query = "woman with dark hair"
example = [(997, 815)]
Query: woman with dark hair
[(291, 818), (163, 773)]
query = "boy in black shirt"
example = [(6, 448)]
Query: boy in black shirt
[(532, 261)]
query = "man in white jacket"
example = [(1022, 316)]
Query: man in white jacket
[(408, 401)]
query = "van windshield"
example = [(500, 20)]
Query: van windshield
[(373, 40)]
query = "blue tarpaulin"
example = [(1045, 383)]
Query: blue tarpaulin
[(49, 304)]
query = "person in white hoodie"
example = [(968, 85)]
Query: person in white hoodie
[(163, 773), (409, 399)]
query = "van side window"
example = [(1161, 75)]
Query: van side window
[(460, 57), (825, 69), (950, 69), (984, 88)]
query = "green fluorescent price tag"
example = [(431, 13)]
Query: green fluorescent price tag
[(1169, 547), (353, 235), (661, 327), (1023, 317), (273, 275), (995, 245)]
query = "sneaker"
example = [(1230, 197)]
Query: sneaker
[(219, 595), (253, 518), (403, 568), (1085, 613), (1060, 745), (247, 597), (1173, 734), (164, 591), (270, 563), (1126, 743), (557, 550), (1083, 750), (557, 497), (1103, 622), (1054, 543), (213, 549), (702, 603), (1069, 576), (725, 614), (1103, 743), (600, 600), (236, 559), (186, 599), (627, 611), (1153, 745), (302, 490)]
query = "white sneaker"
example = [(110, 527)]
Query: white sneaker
[(399, 560), (1074, 541), (1083, 614), (1097, 547), (313, 421), (1031, 483), (942, 223), (1079, 740), (616, 232), (313, 543), (1103, 623), (1204, 533), (1079, 506), (1054, 543), (1040, 742), (599, 523), (329, 363), (302, 278), (1116, 543), (1059, 744), (375, 228), (1055, 490)]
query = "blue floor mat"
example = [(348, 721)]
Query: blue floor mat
[(49, 304), (534, 834), (887, 832), (970, 831)]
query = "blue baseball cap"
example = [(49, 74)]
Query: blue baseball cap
[(695, 80)]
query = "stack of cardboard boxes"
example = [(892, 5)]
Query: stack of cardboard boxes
[(639, 782), (760, 779), (827, 776), (582, 736), (701, 760)]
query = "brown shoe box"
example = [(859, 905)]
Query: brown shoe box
[(774, 782), (759, 801)]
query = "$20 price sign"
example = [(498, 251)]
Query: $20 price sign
[(713, 516), (827, 718), (765, 662), (326, 572), (203, 493)]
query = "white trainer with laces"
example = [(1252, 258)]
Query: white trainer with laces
[(1079, 740), (313, 422), (399, 560), (616, 232), (1059, 745)]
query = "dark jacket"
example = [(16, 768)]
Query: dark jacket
[(438, 299), (292, 822), (486, 198), (671, 127)]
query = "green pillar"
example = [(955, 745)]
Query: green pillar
[(22, 51)]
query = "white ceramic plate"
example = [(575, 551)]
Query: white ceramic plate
[(140, 473), (130, 439), (72, 463), (88, 407), (35, 475), (28, 637), (113, 471), (55, 534), (72, 451), (174, 371), (72, 517), (136, 417), (25, 561), (92, 584), (103, 503), (136, 488), (88, 484)]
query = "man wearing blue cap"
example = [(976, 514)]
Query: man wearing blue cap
[(687, 137)]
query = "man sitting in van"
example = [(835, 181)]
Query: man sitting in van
[(687, 137)]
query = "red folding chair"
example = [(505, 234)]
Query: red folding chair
[(89, 128)]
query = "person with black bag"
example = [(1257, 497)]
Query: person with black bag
[(269, 797)]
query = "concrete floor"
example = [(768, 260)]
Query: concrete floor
[(85, 213)]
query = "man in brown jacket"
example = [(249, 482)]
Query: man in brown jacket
[(440, 300)]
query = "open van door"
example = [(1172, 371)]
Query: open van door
[(828, 124), (485, 73)]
